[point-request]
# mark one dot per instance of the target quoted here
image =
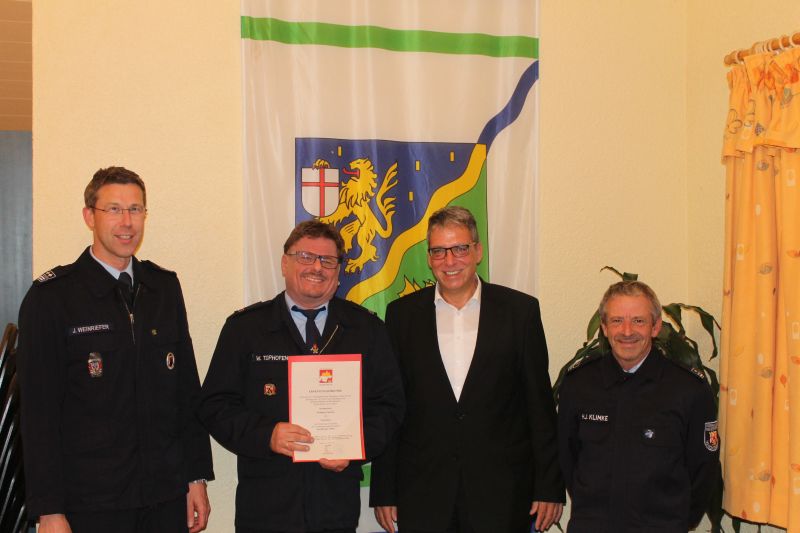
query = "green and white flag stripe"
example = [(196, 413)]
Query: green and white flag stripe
[(321, 33)]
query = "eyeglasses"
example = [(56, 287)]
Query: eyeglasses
[(307, 258), (117, 211), (459, 250)]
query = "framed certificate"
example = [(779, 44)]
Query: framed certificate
[(325, 398)]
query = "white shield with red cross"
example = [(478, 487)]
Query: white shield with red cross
[(320, 190)]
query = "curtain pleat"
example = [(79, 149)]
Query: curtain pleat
[(760, 365)]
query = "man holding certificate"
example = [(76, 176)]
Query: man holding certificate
[(303, 388)]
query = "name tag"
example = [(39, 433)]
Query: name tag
[(594, 417), (89, 329), (266, 358)]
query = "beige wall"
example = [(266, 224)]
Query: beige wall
[(633, 97), (156, 87)]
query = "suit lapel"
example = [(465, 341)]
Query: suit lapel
[(490, 314), (429, 337)]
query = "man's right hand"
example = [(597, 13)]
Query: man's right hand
[(386, 515), (54, 523), (286, 438)]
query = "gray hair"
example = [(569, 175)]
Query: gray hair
[(630, 288), (454, 215)]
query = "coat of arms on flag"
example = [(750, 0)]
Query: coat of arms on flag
[(386, 193), (319, 189)]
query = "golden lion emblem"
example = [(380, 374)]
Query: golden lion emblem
[(355, 196)]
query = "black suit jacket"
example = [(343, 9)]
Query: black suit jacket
[(499, 439)]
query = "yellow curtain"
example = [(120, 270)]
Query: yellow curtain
[(760, 364)]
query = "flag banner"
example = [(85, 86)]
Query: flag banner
[(371, 115), (389, 190)]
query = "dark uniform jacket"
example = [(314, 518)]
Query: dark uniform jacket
[(107, 418), (639, 451), (245, 395), (498, 440)]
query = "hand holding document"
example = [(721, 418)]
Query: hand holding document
[(325, 398)]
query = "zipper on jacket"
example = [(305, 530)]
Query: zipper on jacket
[(130, 311)]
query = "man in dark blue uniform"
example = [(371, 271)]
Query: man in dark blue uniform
[(638, 441), (108, 379), (245, 403)]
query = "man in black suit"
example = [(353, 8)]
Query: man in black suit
[(477, 451)]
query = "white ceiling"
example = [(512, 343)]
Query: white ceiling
[(15, 65)]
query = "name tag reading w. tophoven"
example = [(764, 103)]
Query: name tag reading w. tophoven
[(325, 398)]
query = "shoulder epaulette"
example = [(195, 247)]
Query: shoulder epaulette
[(583, 361), (156, 266), (251, 307), (696, 372), (50, 275)]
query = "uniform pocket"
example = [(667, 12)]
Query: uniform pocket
[(267, 388), (163, 346), (660, 435), (92, 367), (594, 431)]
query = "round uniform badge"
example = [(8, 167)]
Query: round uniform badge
[(270, 389), (170, 360)]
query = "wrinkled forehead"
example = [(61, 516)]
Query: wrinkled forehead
[(626, 306)]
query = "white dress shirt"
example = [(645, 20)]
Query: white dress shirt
[(457, 330)]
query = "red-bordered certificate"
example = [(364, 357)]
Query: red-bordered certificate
[(325, 398)]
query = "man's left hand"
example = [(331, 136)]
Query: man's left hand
[(547, 514), (337, 465), (197, 507)]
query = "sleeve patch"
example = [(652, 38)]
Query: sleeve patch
[(711, 436)]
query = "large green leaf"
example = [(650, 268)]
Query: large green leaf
[(713, 381), (708, 321), (593, 327), (626, 276), (615, 271), (674, 312)]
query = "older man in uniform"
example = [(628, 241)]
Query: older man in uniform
[(245, 402), (638, 441), (108, 379)]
